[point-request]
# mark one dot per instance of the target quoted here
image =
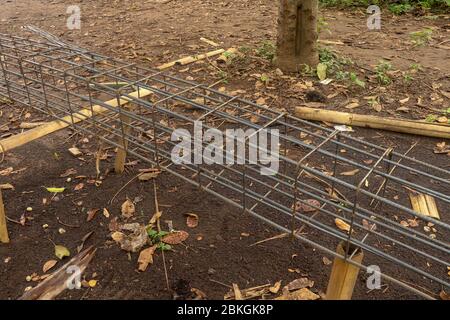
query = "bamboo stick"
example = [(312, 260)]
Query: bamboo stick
[(190, 59), (121, 156), (38, 132), (4, 238), (343, 275), (375, 122)]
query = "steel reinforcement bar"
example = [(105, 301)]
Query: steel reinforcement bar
[(322, 174)]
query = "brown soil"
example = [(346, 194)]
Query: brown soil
[(219, 248)]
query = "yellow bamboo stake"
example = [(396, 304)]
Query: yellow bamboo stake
[(4, 238), (121, 156), (38, 132), (368, 121), (343, 275)]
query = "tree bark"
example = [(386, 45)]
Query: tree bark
[(297, 35)]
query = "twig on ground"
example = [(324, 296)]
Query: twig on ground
[(158, 224)]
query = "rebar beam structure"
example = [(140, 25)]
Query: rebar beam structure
[(62, 81)]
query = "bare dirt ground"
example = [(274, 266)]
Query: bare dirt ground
[(218, 250)]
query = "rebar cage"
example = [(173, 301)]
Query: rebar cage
[(136, 108)]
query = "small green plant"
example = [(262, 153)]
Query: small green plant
[(400, 8), (156, 239), (431, 118), (407, 78), (381, 71), (322, 25), (354, 79), (415, 67), (266, 50), (421, 37)]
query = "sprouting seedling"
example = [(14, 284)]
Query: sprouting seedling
[(421, 37)]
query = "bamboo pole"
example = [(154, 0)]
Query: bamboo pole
[(38, 132), (190, 59), (375, 122), (121, 156), (343, 275), (4, 238)]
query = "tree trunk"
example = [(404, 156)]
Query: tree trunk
[(297, 35)]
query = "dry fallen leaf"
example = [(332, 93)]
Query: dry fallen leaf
[(117, 236), (6, 186), (326, 261), (444, 295), (106, 213), (302, 294), (75, 152), (349, 173), (276, 287), (148, 175), (79, 186), (299, 284), (128, 208), (352, 105), (341, 224), (61, 252), (48, 265), (155, 217), (146, 258), (92, 283), (68, 172), (308, 206), (192, 220), (91, 214), (175, 237)]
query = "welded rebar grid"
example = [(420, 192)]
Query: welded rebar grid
[(139, 108)]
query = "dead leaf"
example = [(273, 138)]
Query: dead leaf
[(302, 294), (403, 101), (79, 186), (128, 208), (134, 241), (342, 225), (68, 172), (349, 173), (91, 214), (199, 295), (308, 206), (146, 258), (118, 236), (75, 152), (444, 295), (192, 220), (352, 105), (114, 225), (6, 186), (155, 217), (148, 175), (48, 265), (326, 261), (61, 252), (175, 237), (6, 172), (106, 213), (299, 284), (276, 287)]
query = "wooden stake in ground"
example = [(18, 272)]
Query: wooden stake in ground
[(297, 35), (4, 238), (343, 275), (121, 156), (389, 124)]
